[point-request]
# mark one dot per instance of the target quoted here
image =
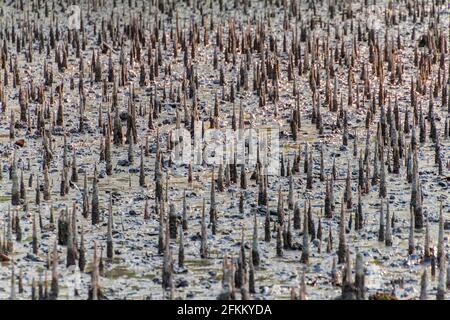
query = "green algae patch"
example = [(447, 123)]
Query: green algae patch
[(198, 263), (377, 262), (5, 198), (125, 272)]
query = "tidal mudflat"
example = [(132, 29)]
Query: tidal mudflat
[(95, 205)]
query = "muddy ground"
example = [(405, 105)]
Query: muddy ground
[(135, 272)]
